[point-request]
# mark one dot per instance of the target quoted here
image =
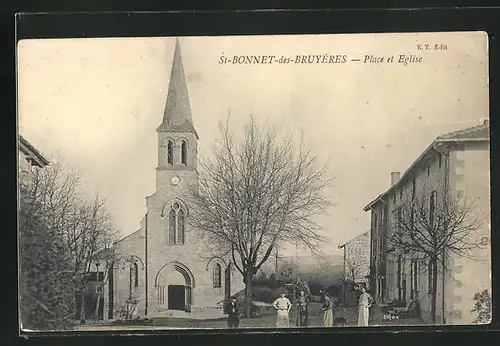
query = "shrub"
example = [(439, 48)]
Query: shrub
[(482, 307), (264, 294), (45, 285)]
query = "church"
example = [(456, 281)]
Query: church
[(163, 269)]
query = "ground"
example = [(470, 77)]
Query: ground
[(267, 320)]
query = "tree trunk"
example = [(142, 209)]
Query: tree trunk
[(82, 309), (97, 303), (248, 293), (434, 290)]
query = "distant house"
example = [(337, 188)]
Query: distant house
[(457, 163), (28, 158), (356, 265)]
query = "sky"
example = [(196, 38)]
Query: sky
[(96, 103)]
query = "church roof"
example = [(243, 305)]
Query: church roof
[(177, 114)]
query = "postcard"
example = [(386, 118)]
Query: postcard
[(270, 181)]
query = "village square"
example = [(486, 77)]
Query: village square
[(230, 237)]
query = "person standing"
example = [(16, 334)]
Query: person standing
[(365, 302), (233, 313), (327, 311), (283, 305), (302, 313)]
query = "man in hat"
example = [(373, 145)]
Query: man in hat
[(233, 313)]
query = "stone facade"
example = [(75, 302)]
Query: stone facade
[(357, 258), (459, 163), (356, 267), (165, 266)]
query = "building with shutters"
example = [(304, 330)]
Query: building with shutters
[(458, 162)]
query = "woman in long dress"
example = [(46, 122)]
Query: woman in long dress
[(365, 302), (327, 311), (302, 313)]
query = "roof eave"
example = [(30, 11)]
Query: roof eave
[(450, 140), (28, 149)]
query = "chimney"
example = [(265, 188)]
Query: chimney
[(395, 177)]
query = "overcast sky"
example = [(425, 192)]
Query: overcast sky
[(97, 103)]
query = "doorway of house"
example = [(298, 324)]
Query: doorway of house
[(176, 297)]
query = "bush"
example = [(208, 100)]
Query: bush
[(482, 307), (264, 294), (45, 285)]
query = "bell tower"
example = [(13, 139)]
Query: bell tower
[(177, 137)]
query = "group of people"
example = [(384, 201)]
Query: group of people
[(283, 306)]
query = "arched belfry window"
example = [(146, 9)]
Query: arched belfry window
[(176, 224), (170, 152), (184, 153), (217, 275)]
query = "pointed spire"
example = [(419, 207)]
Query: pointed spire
[(177, 114)]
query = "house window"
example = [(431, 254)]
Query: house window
[(428, 170), (398, 217), (400, 277), (399, 271), (432, 207), (217, 275), (184, 153), (440, 157), (414, 278), (176, 224), (401, 194), (431, 274), (170, 153), (413, 189)]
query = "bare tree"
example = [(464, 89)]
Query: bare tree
[(287, 271), (355, 263), (255, 193), (85, 225), (433, 226)]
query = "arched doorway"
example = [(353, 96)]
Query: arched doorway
[(174, 283)]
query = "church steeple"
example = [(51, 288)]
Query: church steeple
[(177, 114)]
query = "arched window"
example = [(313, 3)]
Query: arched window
[(133, 278), (176, 224), (171, 226), (217, 275), (180, 226), (170, 153), (184, 153), (136, 275)]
